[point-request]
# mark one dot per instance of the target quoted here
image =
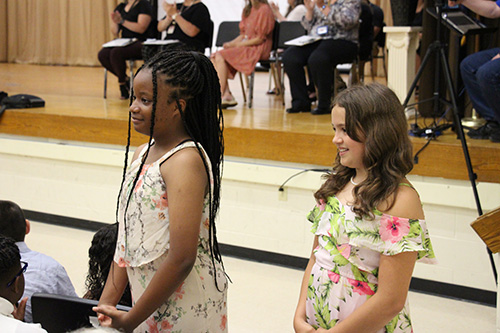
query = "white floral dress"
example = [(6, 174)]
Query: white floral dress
[(347, 261), (142, 246)]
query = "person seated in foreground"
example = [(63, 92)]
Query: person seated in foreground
[(45, 275), (11, 290), (101, 254)]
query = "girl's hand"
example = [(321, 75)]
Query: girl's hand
[(304, 327), (496, 57), (109, 316)]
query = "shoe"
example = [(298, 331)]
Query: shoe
[(299, 109), (495, 134), (125, 89), (228, 103), (484, 132), (318, 111)]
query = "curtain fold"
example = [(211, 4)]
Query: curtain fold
[(54, 32)]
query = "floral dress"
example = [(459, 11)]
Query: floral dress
[(347, 261), (197, 305)]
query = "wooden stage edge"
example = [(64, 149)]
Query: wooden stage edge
[(438, 159), (76, 111)]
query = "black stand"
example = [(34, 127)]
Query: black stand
[(438, 48)]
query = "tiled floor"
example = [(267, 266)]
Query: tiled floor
[(262, 298)]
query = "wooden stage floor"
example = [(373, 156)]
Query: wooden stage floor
[(75, 110)]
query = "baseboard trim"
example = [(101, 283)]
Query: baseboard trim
[(480, 296)]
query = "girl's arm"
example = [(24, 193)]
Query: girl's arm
[(394, 280), (394, 276), (115, 285), (484, 8), (186, 181), (299, 321)]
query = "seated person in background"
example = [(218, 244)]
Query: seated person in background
[(378, 24), (296, 11), (480, 75), (365, 31), (242, 53), (134, 20), (101, 254), (336, 21), (11, 290), (45, 275), (189, 23)]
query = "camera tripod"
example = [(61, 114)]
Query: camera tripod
[(438, 48)]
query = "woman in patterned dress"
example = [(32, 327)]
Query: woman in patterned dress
[(368, 222), (167, 247), (242, 53)]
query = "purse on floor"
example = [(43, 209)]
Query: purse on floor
[(20, 101)]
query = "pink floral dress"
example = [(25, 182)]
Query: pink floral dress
[(347, 261), (142, 246)]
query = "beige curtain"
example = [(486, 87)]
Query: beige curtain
[(54, 32)]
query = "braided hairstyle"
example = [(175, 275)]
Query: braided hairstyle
[(9, 258), (190, 76)]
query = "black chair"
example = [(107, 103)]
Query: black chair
[(229, 30), (271, 62), (59, 314), (131, 63), (210, 39)]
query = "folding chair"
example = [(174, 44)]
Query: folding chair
[(58, 314), (229, 30), (131, 63)]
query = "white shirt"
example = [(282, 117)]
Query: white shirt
[(297, 13), (9, 324)]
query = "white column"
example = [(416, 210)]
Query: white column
[(402, 43)]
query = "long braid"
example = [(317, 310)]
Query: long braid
[(197, 83)]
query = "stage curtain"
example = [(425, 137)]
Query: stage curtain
[(55, 32)]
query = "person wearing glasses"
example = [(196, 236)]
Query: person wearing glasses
[(12, 271), (45, 275)]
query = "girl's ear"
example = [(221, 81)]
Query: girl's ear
[(182, 103)]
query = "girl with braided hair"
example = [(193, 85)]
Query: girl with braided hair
[(167, 247)]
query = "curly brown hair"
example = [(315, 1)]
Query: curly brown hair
[(374, 116)]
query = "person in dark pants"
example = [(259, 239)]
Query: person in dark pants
[(134, 20), (336, 22)]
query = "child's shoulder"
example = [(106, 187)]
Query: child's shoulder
[(407, 202)]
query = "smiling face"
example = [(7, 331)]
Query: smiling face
[(351, 152), (142, 105)]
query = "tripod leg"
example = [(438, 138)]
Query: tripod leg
[(432, 48), (460, 132)]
